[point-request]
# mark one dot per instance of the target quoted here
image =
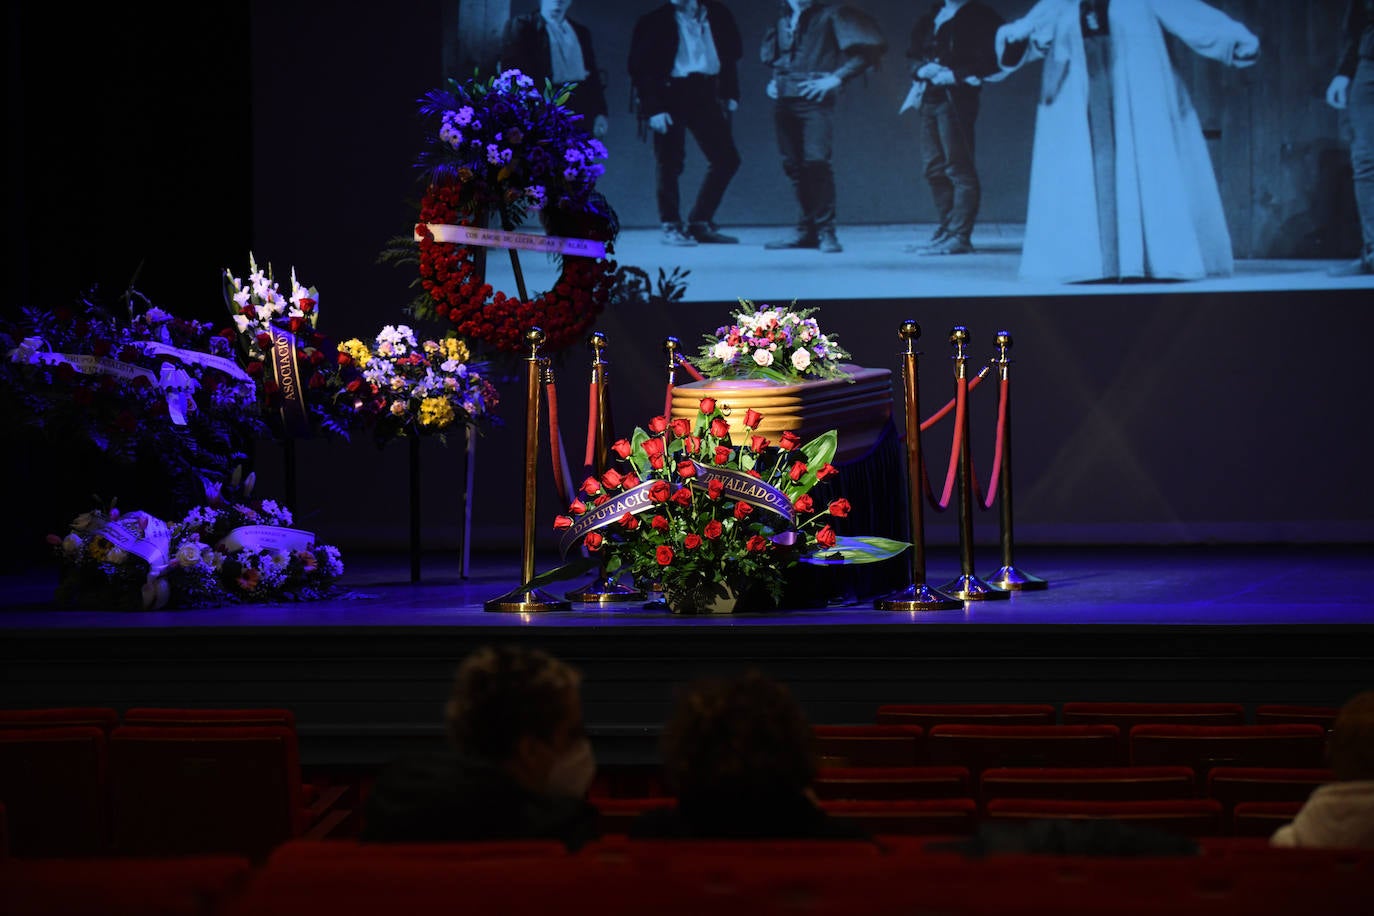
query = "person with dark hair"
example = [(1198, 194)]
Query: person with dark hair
[(1352, 90), (519, 767), (739, 755), (952, 52), (684, 68), (547, 45), (814, 48), (1340, 814)]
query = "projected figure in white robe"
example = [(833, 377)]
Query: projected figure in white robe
[(1121, 185)]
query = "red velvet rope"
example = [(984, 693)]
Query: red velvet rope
[(556, 453), (691, 370), (593, 410), (944, 411), (986, 500), (960, 409)]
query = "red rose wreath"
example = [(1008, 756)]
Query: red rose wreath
[(503, 146)]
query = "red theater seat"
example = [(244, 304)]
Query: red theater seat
[(1187, 817), (893, 783), (192, 886), (1261, 819), (930, 715), (99, 717), (981, 747), (1233, 785), (1121, 783), (184, 790), (303, 851), (1204, 747), (1278, 714), (868, 745), (207, 718), (1125, 716), (912, 817), (53, 785)]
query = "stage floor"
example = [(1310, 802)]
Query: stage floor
[(367, 673)]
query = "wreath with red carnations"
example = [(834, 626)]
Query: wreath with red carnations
[(455, 290), (503, 146)]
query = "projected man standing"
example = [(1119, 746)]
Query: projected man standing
[(684, 66), (546, 44), (814, 48), (1121, 181), (1352, 89), (953, 49)]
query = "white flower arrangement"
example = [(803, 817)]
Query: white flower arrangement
[(258, 304), (784, 345)]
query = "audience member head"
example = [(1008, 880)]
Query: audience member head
[(1350, 748), (521, 709), (738, 737)]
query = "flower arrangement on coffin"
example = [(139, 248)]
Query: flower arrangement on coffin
[(266, 318), (687, 509), (222, 552), (399, 386), (129, 393), (504, 146), (782, 345)]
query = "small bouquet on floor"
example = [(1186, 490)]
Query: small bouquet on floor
[(782, 345), (687, 511), (401, 387), (224, 552)]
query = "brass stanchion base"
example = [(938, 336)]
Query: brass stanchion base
[(1013, 579), (972, 588), (605, 590), (526, 601), (918, 598)]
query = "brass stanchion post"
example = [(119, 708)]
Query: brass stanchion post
[(1008, 576), (670, 347), (967, 586), (604, 589), (918, 596), (526, 598)]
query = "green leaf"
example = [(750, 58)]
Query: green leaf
[(855, 550), (638, 460), (570, 570), (817, 454)]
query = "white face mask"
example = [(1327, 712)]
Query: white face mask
[(571, 775)]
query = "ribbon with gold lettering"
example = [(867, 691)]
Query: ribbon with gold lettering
[(150, 540), (736, 484), (286, 373)]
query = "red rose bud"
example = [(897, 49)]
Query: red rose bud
[(577, 507), (663, 555), (826, 537), (682, 496), (659, 523), (562, 521), (621, 447), (789, 441), (720, 429), (264, 340), (344, 359), (656, 462), (681, 427), (827, 470), (652, 447), (713, 530), (593, 540), (839, 507), (628, 522), (707, 405), (756, 544), (722, 455), (252, 368), (752, 418), (659, 491), (797, 470), (758, 443), (590, 486), (629, 481), (714, 487), (686, 468), (804, 503), (742, 510), (692, 541), (611, 478), (692, 445), (658, 425), (602, 499)]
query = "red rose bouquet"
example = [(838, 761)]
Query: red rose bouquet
[(685, 508)]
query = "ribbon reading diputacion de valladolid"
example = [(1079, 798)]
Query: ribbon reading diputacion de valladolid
[(736, 484)]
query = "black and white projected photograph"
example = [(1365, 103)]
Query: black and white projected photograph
[(994, 147)]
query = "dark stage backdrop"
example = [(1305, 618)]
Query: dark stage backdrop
[(1139, 419)]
